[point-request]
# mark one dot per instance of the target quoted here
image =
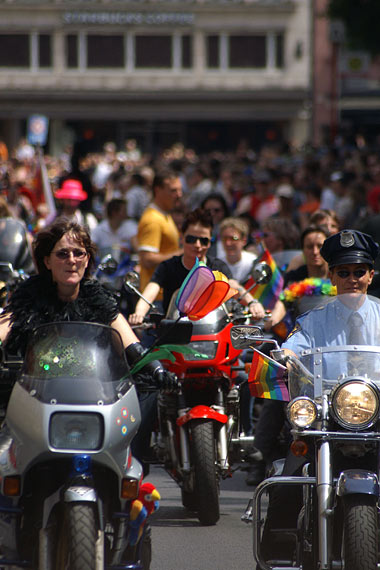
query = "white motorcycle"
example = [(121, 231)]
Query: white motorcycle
[(67, 475)]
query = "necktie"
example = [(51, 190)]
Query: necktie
[(355, 335)]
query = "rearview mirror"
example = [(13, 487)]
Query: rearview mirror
[(244, 336), (261, 273), (108, 264), (132, 279), (180, 333)]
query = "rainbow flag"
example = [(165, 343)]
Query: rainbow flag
[(266, 378), (268, 293)]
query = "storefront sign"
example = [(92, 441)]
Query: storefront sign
[(132, 18)]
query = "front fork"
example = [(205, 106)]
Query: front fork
[(325, 494), (222, 447)]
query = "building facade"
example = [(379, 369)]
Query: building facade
[(206, 72)]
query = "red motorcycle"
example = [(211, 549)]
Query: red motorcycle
[(199, 436)]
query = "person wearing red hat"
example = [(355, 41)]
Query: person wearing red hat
[(71, 194)]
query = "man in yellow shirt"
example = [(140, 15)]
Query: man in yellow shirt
[(158, 236)]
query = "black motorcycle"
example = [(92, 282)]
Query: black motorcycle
[(334, 412)]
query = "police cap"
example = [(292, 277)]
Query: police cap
[(349, 246)]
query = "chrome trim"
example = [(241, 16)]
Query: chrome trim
[(257, 519)]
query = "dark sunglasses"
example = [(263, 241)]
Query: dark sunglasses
[(65, 253), (358, 273), (192, 239)]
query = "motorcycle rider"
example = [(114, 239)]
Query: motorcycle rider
[(170, 274), (63, 290), (350, 255)]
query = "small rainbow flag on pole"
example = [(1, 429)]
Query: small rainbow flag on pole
[(268, 293), (266, 378)]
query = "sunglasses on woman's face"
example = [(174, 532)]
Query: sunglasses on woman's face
[(65, 253), (192, 239), (358, 273)]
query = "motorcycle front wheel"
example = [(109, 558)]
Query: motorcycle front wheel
[(360, 533), (206, 481), (76, 542)]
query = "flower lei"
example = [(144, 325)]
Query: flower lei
[(310, 286)]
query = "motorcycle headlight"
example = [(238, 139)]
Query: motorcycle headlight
[(355, 404), (302, 412), (201, 349), (71, 430)]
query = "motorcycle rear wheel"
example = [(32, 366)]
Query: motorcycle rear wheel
[(205, 474), (77, 538), (360, 533)]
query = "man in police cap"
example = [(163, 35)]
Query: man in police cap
[(351, 256), (350, 318)]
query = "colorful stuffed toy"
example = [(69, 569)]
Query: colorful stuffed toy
[(146, 503)]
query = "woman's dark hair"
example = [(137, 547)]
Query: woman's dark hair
[(46, 239), (217, 196), (311, 230), (197, 216)]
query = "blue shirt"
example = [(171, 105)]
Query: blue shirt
[(328, 326)]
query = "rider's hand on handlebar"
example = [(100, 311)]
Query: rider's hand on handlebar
[(257, 310), (135, 319), (166, 380)]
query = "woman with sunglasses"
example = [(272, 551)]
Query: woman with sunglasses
[(170, 274), (63, 290)]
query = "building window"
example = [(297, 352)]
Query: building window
[(247, 51), (71, 51), (279, 50), (14, 50), (212, 51), (153, 51), (187, 52), (105, 51), (44, 50)]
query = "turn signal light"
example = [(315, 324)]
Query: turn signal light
[(129, 488), (12, 486), (299, 448)]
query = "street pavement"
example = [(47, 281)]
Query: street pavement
[(181, 543)]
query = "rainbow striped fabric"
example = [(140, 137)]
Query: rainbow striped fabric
[(266, 378), (268, 293)]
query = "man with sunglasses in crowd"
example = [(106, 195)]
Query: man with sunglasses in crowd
[(170, 274)]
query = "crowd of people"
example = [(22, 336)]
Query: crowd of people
[(223, 208)]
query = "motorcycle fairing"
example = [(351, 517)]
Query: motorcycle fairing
[(201, 412)]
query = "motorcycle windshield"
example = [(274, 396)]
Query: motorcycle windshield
[(335, 344), (14, 245), (75, 363)]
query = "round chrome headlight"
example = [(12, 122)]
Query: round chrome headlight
[(302, 412), (355, 404)]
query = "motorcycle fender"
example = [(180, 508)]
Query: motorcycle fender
[(72, 494), (201, 412), (82, 494), (357, 482)]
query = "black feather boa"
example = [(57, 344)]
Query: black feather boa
[(35, 302)]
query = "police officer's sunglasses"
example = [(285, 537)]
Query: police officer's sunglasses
[(358, 273), (192, 239)]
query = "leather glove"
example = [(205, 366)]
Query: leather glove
[(154, 371), (166, 380)]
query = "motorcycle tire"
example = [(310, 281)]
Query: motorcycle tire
[(206, 480), (360, 533), (77, 538)]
